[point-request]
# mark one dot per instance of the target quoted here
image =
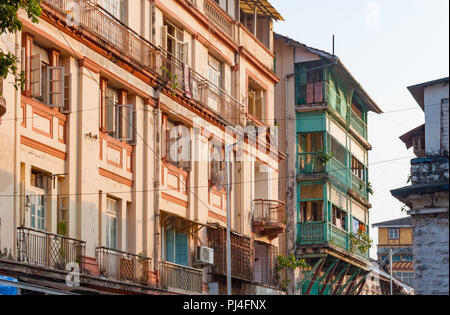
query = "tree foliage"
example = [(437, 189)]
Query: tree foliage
[(10, 23)]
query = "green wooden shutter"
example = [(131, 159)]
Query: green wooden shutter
[(181, 249), (169, 246)]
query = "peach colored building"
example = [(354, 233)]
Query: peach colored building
[(90, 168)]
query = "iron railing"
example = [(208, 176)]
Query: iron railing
[(173, 276), (268, 211), (123, 266), (106, 30), (322, 233), (48, 250)]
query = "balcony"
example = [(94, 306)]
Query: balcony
[(311, 93), (324, 234), (359, 125), (185, 279), (122, 266), (104, 30), (359, 186), (269, 217), (48, 250), (241, 254), (310, 163), (218, 17)]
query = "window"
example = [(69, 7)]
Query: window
[(394, 234), (217, 175), (311, 204), (358, 169), (48, 81), (339, 151), (117, 118), (177, 144), (113, 7), (173, 42), (228, 6), (339, 218), (112, 210), (256, 100), (310, 142), (177, 247), (37, 200)]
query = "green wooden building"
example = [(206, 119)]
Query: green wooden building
[(330, 210)]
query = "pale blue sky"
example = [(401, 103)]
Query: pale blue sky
[(388, 46)]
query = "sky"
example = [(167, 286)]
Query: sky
[(387, 46)]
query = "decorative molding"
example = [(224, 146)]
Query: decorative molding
[(115, 177), (43, 148)]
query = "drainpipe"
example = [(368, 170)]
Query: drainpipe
[(157, 172), (16, 202), (286, 127)]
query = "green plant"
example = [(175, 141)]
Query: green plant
[(171, 78), (10, 23), (361, 241), (62, 228), (324, 157), (370, 188), (289, 263)]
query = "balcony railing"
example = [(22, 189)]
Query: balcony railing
[(182, 278), (339, 171), (322, 233), (309, 163), (271, 211), (241, 254), (122, 266), (103, 29), (359, 186), (358, 124), (48, 250), (218, 17)]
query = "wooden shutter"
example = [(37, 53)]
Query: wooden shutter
[(55, 87), (110, 113), (164, 37), (124, 122), (182, 249), (170, 243), (67, 93), (36, 75)]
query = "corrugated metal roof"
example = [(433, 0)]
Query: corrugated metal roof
[(263, 8), (403, 222)]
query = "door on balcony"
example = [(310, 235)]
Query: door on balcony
[(37, 201), (177, 248), (215, 77), (262, 263)]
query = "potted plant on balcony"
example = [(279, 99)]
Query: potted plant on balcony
[(361, 242)]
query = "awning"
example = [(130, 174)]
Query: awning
[(6, 289), (263, 8)]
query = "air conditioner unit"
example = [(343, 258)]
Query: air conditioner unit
[(205, 255)]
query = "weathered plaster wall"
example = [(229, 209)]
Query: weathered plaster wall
[(431, 254)]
